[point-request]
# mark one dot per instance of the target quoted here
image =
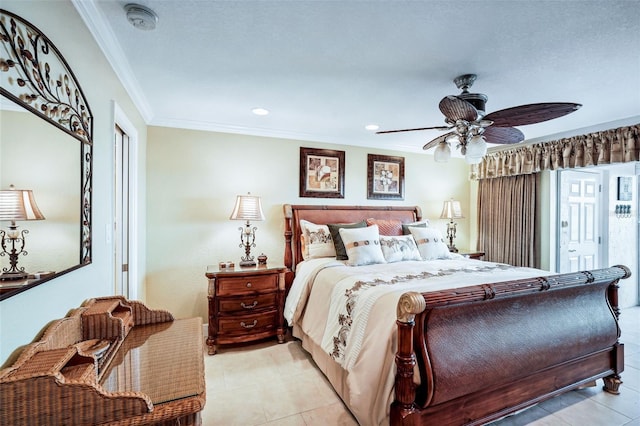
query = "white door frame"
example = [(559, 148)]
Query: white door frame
[(122, 121)]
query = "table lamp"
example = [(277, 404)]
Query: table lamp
[(16, 204), (451, 210), (248, 207)]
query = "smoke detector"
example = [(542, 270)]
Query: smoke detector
[(141, 17)]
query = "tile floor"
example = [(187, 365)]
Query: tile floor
[(272, 384)]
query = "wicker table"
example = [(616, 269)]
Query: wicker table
[(162, 361), (111, 361)]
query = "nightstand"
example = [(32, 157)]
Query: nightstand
[(245, 304), (473, 255)]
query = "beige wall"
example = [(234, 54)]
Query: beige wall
[(24, 315), (193, 178)]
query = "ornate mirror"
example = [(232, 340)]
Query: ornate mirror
[(46, 130)]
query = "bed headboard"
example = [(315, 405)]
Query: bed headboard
[(323, 214)]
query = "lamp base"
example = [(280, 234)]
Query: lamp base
[(246, 263), (453, 249), (12, 276)]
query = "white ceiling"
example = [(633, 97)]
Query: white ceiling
[(325, 69)]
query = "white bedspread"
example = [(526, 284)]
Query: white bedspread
[(350, 313)]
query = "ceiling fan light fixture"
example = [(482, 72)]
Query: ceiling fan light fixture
[(476, 149), (442, 154), (467, 121)]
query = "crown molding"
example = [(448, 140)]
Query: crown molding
[(102, 33)]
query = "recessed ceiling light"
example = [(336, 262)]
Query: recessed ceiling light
[(260, 111), (372, 127)]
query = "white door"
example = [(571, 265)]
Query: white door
[(579, 222)]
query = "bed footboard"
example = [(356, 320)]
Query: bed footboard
[(488, 350)]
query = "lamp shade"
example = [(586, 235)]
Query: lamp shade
[(451, 210), (18, 204), (248, 207), (476, 149), (442, 153)]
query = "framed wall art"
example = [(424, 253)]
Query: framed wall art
[(385, 177), (321, 173), (624, 188)]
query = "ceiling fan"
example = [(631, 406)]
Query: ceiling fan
[(472, 129)]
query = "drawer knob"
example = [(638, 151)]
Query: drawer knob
[(251, 306), (255, 321), (248, 285)]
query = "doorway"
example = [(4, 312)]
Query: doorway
[(592, 231), (121, 222), (125, 212)]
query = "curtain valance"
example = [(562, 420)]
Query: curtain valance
[(619, 145)]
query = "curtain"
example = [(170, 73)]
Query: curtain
[(506, 216), (619, 145)]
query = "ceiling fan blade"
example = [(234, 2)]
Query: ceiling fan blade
[(413, 130), (531, 113), (437, 140), (456, 109), (503, 135)]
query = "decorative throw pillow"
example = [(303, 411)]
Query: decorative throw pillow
[(362, 245), (317, 241), (399, 248), (386, 227), (430, 243), (405, 226), (334, 228)]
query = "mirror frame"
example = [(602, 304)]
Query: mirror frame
[(37, 78)]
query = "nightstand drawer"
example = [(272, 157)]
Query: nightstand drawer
[(247, 324), (247, 303), (238, 285)]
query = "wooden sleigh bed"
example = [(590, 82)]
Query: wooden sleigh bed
[(476, 353)]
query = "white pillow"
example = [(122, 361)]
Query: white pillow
[(316, 241), (398, 248), (362, 245), (430, 243)]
